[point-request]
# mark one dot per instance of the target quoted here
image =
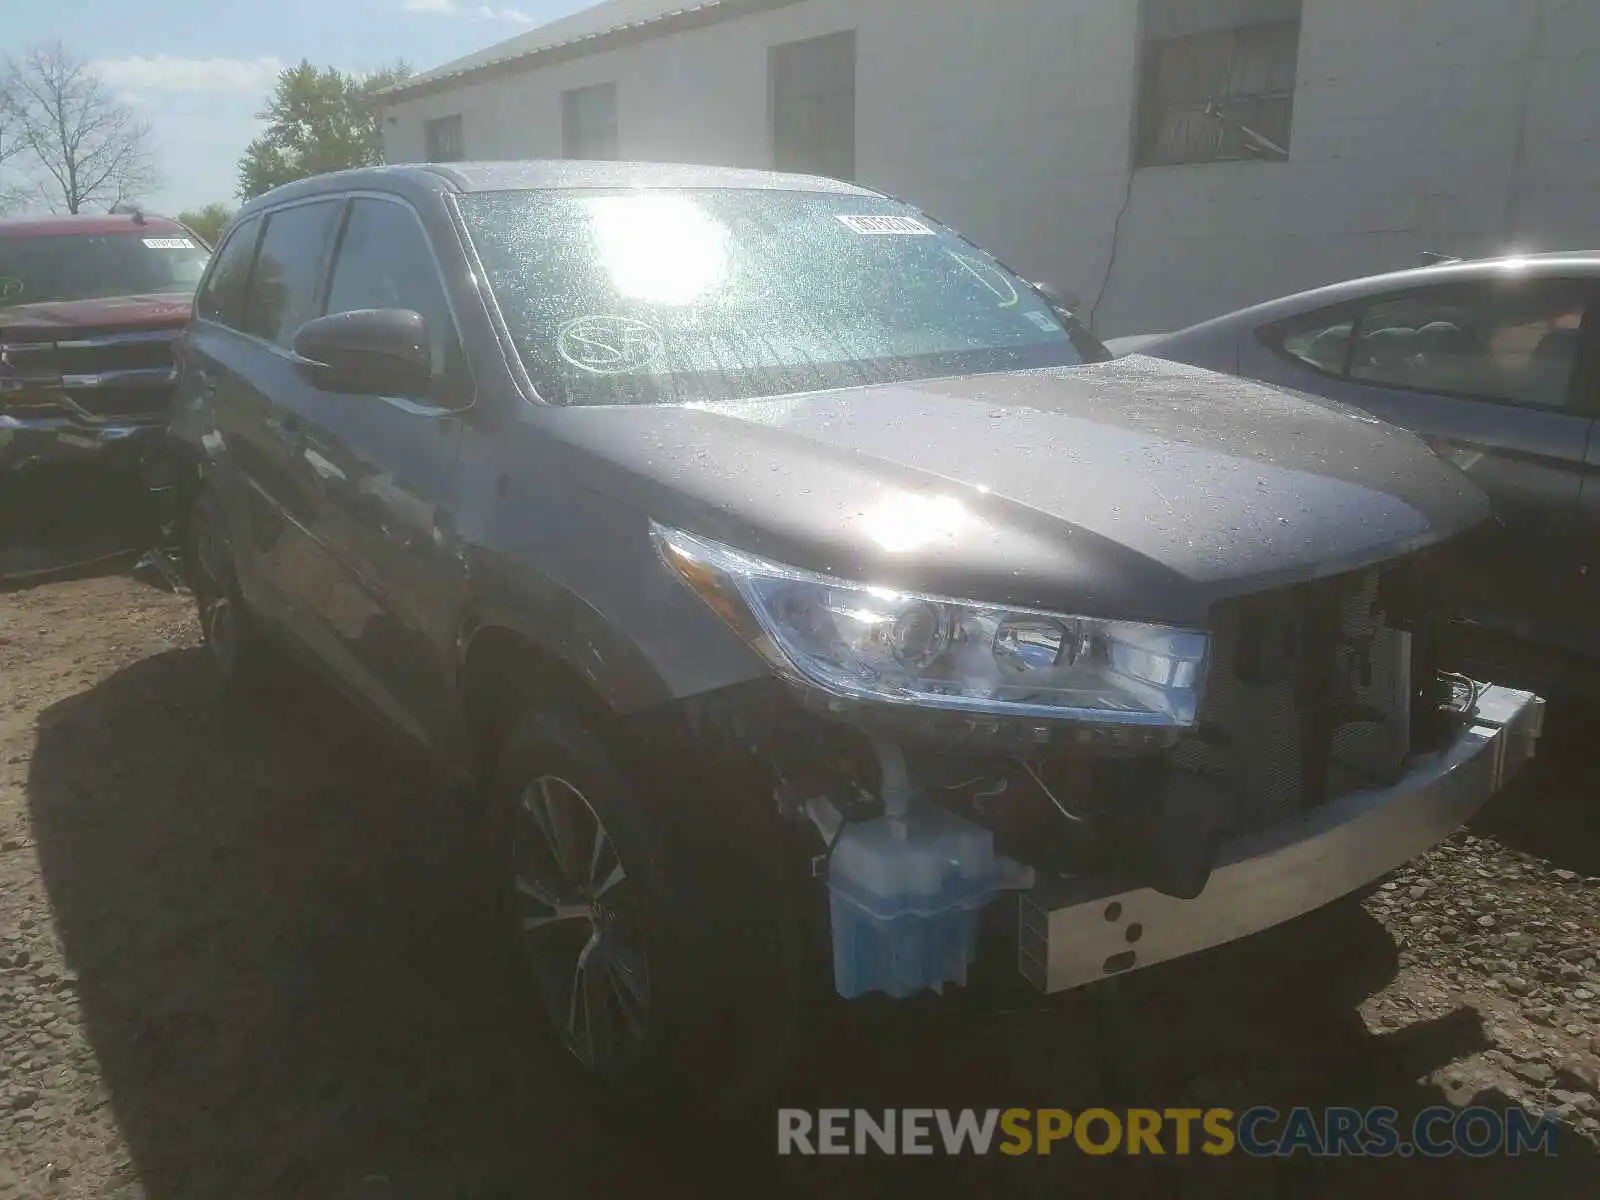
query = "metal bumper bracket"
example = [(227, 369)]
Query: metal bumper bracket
[(1075, 931)]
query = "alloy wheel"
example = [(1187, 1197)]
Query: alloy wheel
[(572, 906)]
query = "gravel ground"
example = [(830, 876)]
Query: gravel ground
[(242, 958)]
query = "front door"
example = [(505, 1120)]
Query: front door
[(379, 466)]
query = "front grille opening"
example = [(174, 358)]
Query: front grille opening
[(141, 352), (1311, 693), (104, 403)]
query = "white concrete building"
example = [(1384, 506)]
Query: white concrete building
[(1165, 159)]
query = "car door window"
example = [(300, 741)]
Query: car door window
[(221, 297), (383, 261), (1513, 342), (1320, 340), (288, 272)]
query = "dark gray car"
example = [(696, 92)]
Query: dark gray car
[(1495, 363), (808, 598)]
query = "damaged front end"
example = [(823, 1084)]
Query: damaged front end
[(1314, 746)]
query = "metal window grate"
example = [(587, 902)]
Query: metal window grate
[(814, 106), (1219, 96), (444, 138), (589, 123)]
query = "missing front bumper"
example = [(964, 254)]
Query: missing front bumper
[(73, 496), (37, 442), (1075, 931)]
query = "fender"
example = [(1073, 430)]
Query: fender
[(561, 626)]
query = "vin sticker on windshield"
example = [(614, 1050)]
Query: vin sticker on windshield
[(169, 243), (886, 225), (1043, 322)]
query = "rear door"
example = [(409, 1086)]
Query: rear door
[(1499, 376), (215, 359), (1589, 506), (257, 400)]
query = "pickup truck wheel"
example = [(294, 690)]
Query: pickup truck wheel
[(606, 910)]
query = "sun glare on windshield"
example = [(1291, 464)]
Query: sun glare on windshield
[(662, 249)]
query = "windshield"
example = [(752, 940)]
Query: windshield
[(640, 297), (78, 266)]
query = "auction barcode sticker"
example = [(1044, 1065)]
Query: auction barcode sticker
[(169, 243), (905, 226)]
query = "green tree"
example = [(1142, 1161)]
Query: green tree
[(319, 119), (208, 222)]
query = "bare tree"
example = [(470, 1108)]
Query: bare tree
[(91, 149), (11, 145)]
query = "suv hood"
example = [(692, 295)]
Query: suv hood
[(1138, 489), (55, 319)]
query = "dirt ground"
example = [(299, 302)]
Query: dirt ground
[(245, 958)]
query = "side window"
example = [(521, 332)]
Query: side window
[(384, 262), (222, 297), (1320, 340), (1515, 342), (283, 287)]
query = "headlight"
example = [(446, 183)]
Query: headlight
[(869, 643)]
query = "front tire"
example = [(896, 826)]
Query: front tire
[(658, 974)]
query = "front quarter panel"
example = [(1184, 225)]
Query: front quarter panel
[(576, 573)]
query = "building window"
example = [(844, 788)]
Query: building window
[(444, 140), (814, 106), (1217, 82), (589, 122)]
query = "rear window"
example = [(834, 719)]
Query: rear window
[(78, 266)]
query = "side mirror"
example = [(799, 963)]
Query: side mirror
[(371, 351), (1062, 300)]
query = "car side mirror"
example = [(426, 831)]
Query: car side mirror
[(1061, 299), (371, 351)]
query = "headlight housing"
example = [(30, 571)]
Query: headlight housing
[(893, 647)]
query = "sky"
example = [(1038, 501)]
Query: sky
[(200, 71)]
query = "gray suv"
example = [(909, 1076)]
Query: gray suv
[(810, 602)]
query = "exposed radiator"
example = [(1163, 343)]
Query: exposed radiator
[(1307, 698)]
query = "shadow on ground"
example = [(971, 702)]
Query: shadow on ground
[(68, 521), (278, 934), (1553, 810)]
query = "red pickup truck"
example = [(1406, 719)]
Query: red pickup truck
[(89, 308)]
